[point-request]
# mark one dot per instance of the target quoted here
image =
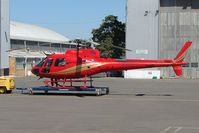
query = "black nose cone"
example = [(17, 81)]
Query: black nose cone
[(35, 71)]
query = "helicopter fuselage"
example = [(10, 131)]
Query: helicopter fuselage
[(78, 63)]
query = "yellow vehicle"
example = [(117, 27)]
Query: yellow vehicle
[(6, 85)]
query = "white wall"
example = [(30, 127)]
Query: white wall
[(4, 33), (142, 31), (142, 74)]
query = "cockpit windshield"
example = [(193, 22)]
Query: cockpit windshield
[(41, 63)]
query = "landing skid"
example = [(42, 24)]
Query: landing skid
[(63, 83)]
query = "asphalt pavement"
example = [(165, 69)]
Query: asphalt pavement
[(133, 106)]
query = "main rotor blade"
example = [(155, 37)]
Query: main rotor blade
[(48, 54), (121, 48), (118, 47), (96, 43)]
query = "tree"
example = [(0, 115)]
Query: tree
[(111, 33)]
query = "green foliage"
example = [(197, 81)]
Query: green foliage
[(87, 44), (111, 33)]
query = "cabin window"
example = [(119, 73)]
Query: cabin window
[(41, 63), (93, 52), (49, 62), (60, 62)]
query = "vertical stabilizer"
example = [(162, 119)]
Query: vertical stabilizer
[(180, 57)]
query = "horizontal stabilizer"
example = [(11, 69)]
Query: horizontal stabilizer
[(178, 70)]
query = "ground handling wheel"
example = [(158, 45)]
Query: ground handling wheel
[(107, 91), (30, 91), (3, 90)]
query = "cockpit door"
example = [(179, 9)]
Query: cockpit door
[(47, 65)]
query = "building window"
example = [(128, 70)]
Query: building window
[(194, 4), (178, 3), (20, 63), (194, 64), (55, 47), (31, 62), (73, 46), (32, 45), (187, 65), (44, 46), (17, 44), (64, 47)]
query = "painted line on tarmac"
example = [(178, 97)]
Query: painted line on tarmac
[(166, 130), (151, 99), (171, 129), (158, 99), (191, 128), (177, 129)]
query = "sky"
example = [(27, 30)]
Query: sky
[(71, 18)]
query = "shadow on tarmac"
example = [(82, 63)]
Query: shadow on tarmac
[(84, 95), (62, 94), (140, 94)]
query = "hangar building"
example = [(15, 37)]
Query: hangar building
[(28, 43), (157, 29)]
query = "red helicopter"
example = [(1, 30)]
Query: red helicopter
[(79, 63)]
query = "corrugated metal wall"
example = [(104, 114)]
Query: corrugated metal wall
[(4, 33), (179, 22)]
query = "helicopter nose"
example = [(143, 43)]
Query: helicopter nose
[(35, 71)]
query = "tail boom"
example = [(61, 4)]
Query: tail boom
[(115, 65)]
